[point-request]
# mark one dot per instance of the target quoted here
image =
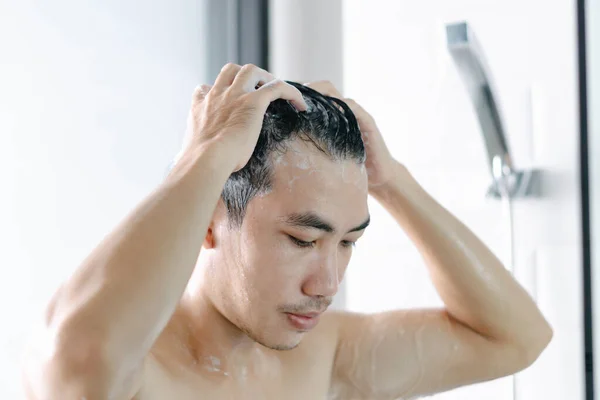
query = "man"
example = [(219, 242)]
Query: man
[(272, 184)]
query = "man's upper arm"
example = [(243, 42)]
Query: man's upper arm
[(414, 352)]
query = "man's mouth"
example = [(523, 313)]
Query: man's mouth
[(304, 321)]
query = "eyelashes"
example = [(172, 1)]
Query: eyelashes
[(307, 245), (301, 243)]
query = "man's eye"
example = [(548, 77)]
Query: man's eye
[(348, 243), (301, 243)]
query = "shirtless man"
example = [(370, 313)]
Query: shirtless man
[(146, 316)]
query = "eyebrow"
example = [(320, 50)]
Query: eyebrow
[(312, 220)]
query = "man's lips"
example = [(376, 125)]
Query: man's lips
[(304, 321), (307, 315)]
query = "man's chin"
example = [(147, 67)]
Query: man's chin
[(285, 347), (281, 338), (289, 343)]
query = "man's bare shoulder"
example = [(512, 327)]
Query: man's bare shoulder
[(333, 322)]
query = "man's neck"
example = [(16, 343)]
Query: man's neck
[(208, 342)]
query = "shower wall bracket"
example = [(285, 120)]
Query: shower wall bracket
[(517, 183)]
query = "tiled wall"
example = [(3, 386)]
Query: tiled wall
[(397, 66)]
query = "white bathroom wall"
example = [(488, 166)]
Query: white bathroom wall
[(396, 64), (93, 102)]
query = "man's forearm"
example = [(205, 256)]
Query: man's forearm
[(474, 285)]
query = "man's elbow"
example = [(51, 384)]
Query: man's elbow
[(532, 348)]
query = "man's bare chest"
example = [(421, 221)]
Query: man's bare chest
[(290, 383)]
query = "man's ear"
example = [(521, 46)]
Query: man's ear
[(209, 239)]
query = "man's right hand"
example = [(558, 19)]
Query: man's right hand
[(229, 115)]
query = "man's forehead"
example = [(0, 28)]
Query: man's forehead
[(302, 161), (304, 180)]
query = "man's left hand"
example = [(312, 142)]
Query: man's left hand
[(380, 164)]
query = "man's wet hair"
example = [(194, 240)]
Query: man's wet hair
[(328, 124)]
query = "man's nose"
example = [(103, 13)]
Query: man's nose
[(325, 278)]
